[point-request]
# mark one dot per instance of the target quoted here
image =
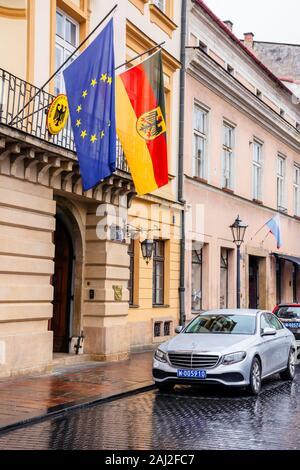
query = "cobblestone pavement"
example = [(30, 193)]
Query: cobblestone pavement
[(190, 418)]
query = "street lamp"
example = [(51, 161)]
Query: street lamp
[(147, 245), (147, 249), (238, 229)]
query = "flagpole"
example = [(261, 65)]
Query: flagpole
[(140, 55), (258, 231), (63, 65)]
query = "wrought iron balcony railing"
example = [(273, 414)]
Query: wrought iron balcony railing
[(15, 93)]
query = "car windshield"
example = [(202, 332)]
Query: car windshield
[(288, 312), (223, 324)]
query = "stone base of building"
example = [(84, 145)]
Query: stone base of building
[(26, 353)]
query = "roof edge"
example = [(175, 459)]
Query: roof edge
[(222, 25)]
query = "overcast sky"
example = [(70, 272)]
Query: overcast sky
[(269, 20)]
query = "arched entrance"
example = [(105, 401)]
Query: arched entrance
[(63, 286)]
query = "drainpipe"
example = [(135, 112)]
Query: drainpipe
[(182, 315)]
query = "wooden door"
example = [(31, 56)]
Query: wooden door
[(253, 282), (62, 281)]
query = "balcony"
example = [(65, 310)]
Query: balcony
[(15, 93)]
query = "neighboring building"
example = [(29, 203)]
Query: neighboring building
[(57, 277), (242, 156), (282, 59)]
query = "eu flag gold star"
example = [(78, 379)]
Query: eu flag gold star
[(79, 108), (78, 123), (93, 138), (83, 134), (84, 94), (102, 134), (109, 80), (104, 77), (94, 82)]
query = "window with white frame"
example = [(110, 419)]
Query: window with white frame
[(228, 146), (161, 4), (66, 41), (297, 190), (257, 170), (280, 182), (200, 142)]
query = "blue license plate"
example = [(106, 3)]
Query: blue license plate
[(292, 325), (191, 374)]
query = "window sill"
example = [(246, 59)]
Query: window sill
[(228, 190), (196, 312), (161, 306), (134, 306), (159, 18), (257, 201), (282, 210), (200, 180), (297, 217)]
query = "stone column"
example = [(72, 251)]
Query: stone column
[(106, 295)]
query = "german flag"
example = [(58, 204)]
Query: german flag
[(141, 123)]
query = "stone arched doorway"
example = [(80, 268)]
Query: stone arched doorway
[(67, 280)]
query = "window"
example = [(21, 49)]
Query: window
[(280, 182), (230, 69), (67, 40), (157, 329), (274, 322), (131, 272), (196, 278), (200, 139), (161, 4), (268, 320), (228, 144), (297, 190), (203, 46), (224, 278), (158, 272), (257, 170)]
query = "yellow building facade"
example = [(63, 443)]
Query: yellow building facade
[(72, 274)]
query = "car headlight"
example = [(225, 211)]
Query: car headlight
[(160, 355), (233, 358)]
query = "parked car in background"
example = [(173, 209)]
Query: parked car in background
[(289, 315), (237, 348)]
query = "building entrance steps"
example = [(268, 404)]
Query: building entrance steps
[(31, 398)]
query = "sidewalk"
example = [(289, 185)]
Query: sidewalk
[(30, 398)]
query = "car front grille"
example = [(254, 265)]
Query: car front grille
[(193, 360)]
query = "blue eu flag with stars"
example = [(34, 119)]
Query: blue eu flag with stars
[(90, 86)]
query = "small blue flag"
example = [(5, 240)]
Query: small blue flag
[(275, 228), (90, 85)]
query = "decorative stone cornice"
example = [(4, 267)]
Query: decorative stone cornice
[(25, 157)]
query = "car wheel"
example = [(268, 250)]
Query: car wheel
[(164, 386), (255, 377), (289, 372)]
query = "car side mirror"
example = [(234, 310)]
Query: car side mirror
[(268, 332), (178, 329)]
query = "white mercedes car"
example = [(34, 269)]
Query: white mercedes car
[(237, 348)]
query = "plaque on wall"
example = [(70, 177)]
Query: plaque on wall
[(118, 292)]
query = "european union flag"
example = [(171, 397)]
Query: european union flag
[(90, 85)]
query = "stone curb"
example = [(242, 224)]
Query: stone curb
[(80, 404)]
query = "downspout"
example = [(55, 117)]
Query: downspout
[(182, 315)]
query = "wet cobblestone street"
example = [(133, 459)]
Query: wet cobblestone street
[(189, 418)]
